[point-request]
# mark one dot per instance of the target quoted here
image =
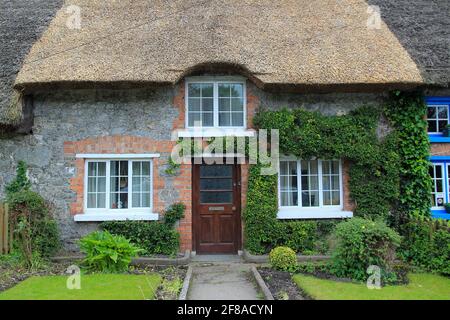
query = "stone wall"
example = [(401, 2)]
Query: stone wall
[(107, 121)]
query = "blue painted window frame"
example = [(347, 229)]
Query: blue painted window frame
[(433, 101), (445, 160)]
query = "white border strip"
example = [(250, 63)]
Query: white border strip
[(117, 155), (115, 217)]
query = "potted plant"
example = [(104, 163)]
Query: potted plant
[(446, 131), (447, 207)]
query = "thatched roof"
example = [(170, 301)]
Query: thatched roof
[(291, 43), (423, 29), (21, 24)]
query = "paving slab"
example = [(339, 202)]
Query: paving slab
[(222, 281)]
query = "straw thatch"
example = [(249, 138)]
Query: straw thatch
[(294, 43), (423, 29), (21, 23)]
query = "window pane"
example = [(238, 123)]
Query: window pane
[(115, 168), (194, 104), (194, 119), (216, 184), (207, 119), (216, 197), (284, 167), (314, 198), (101, 169), (207, 90), (101, 200), (237, 90), (224, 119), (146, 184), (207, 104), (136, 200), (237, 104), (336, 200), (432, 126), (136, 184), (216, 171), (146, 168), (91, 200), (194, 90), (136, 168), (224, 104), (326, 198), (443, 112), (124, 168), (92, 184), (92, 169), (146, 200), (326, 185), (431, 113), (442, 124), (335, 183), (101, 185), (224, 90), (237, 119)]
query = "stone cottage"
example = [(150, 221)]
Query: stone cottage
[(100, 102)]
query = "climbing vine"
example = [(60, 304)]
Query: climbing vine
[(387, 174), (407, 113)]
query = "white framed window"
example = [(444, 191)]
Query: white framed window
[(218, 102), (310, 184), (118, 185), (437, 118), (310, 189), (439, 183)]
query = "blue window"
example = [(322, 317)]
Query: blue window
[(438, 117), (440, 194)]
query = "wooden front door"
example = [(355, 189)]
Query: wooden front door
[(216, 208)]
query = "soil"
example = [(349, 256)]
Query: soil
[(281, 285)]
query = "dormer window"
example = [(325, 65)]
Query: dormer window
[(215, 103)]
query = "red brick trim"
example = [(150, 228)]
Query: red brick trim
[(133, 144)]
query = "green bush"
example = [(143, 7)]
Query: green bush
[(152, 237), (174, 213), (301, 236), (361, 243), (21, 182), (106, 252), (35, 231), (283, 259), (426, 245)]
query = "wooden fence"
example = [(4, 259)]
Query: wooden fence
[(5, 232)]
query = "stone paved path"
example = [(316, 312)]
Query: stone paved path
[(222, 281)]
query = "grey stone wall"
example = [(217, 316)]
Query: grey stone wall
[(71, 116), (76, 115)]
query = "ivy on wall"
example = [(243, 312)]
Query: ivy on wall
[(387, 175), (407, 113)]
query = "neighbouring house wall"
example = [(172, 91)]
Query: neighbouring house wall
[(128, 121)]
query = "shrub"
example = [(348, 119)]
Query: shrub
[(426, 245), (361, 243), (21, 182), (174, 213), (301, 236), (152, 237), (106, 252), (35, 232), (283, 258)]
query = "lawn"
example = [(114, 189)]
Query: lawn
[(420, 287), (93, 287)]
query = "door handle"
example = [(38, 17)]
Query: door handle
[(233, 208)]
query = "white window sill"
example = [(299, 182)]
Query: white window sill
[(304, 213), (96, 217), (215, 132)]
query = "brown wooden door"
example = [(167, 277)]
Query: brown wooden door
[(216, 208)]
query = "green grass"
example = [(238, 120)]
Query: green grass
[(420, 287), (93, 287)]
